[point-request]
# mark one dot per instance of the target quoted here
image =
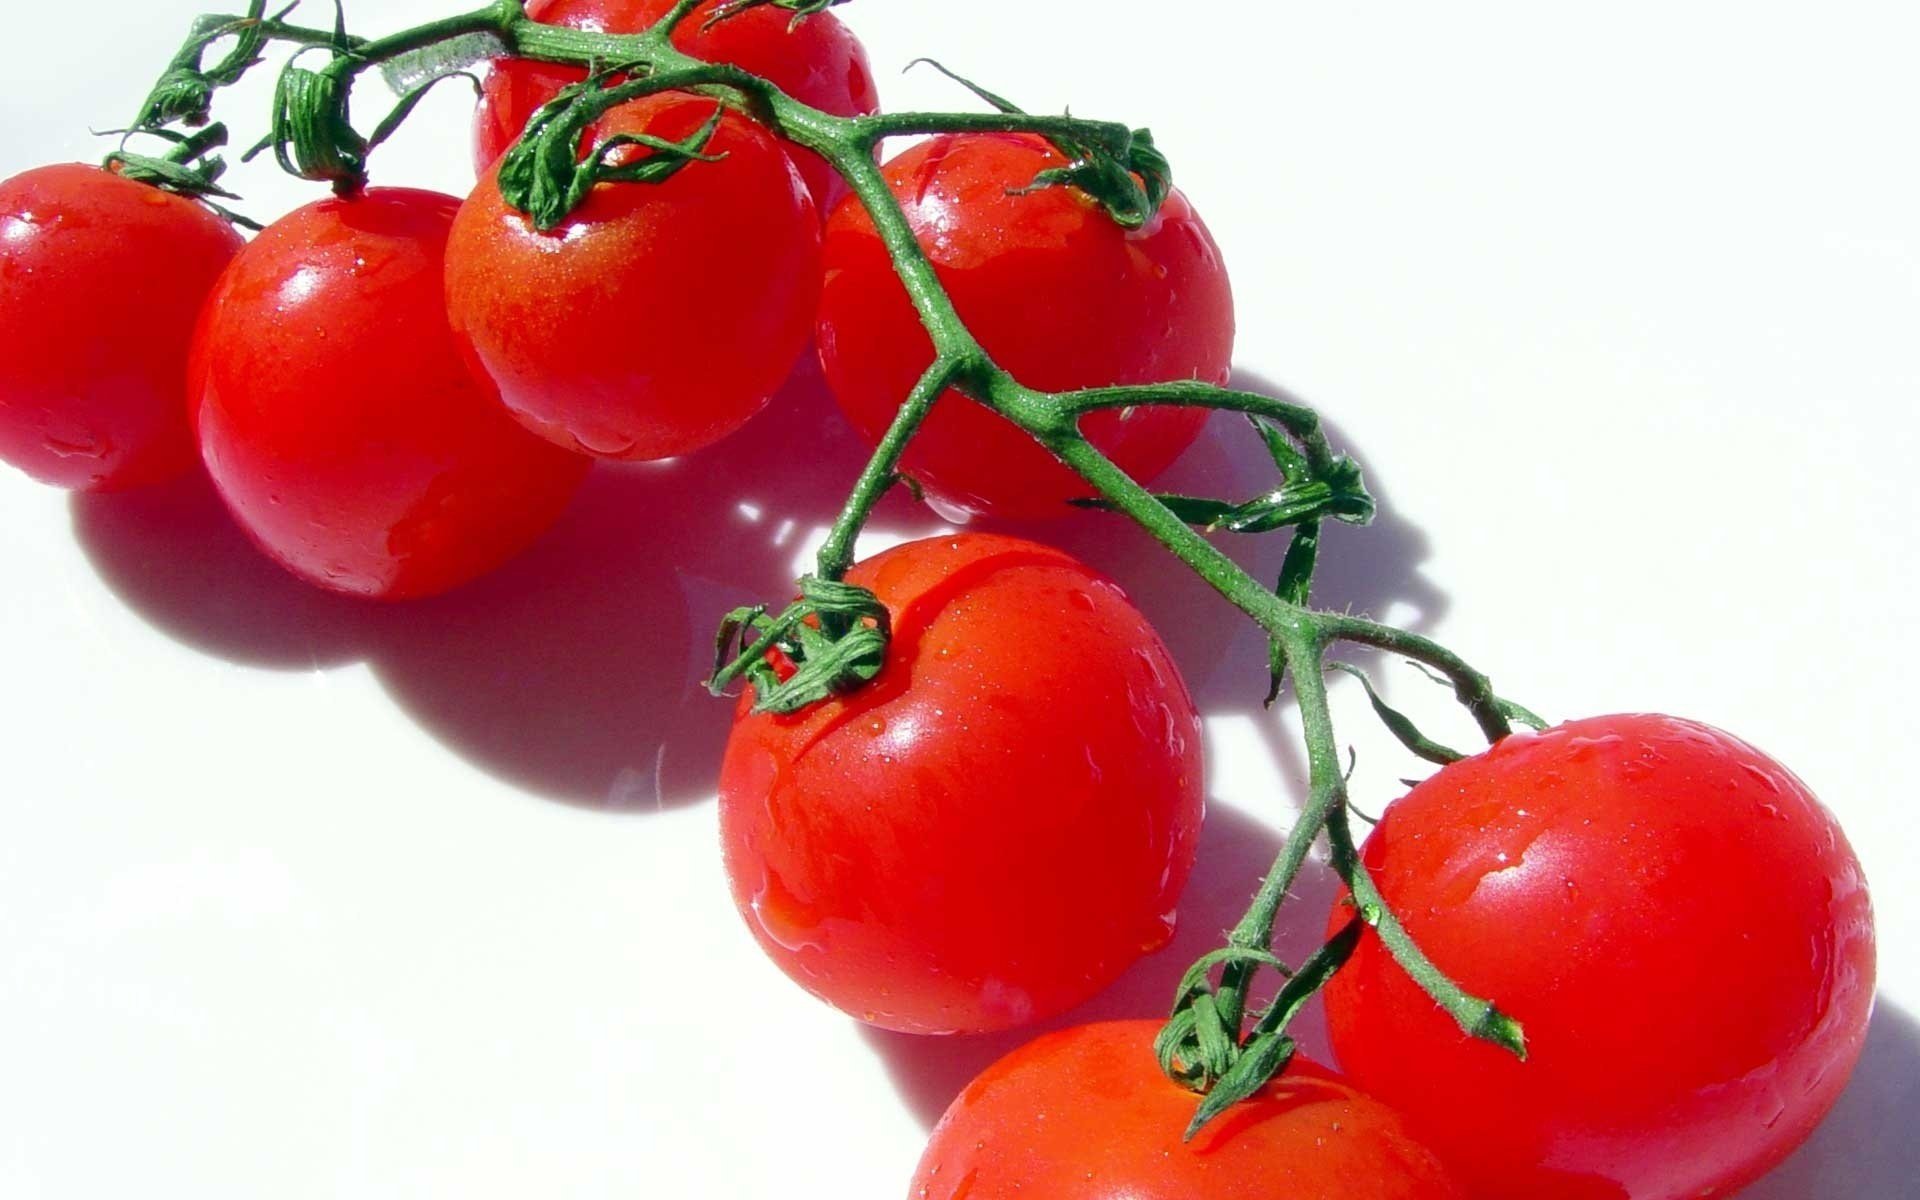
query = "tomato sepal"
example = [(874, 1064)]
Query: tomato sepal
[(831, 641)]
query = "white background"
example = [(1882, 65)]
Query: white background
[(1617, 305)]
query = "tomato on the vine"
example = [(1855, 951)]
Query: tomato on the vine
[(338, 420), (658, 317), (1085, 1114), (1057, 292), (1675, 919), (101, 279), (818, 62), (997, 826)]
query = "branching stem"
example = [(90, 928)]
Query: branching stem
[(1301, 635)]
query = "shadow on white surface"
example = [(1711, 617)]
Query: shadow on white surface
[(1235, 853), (575, 671), (1866, 1149), (173, 555)]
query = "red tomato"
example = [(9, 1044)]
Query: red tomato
[(338, 420), (819, 63), (659, 317), (100, 281), (1084, 1114), (1056, 292), (995, 828), (1679, 924)]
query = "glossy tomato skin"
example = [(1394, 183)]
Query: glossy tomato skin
[(995, 828), (100, 281), (1084, 1114), (338, 421), (659, 317), (1055, 291), (819, 62), (1676, 920)]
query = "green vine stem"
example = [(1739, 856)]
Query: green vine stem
[(837, 629)]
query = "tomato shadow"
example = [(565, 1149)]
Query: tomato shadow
[(172, 554), (574, 672), (1865, 1150), (1235, 853), (577, 671)]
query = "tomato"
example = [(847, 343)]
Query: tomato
[(659, 317), (819, 63), (1678, 923), (338, 421), (992, 830), (1056, 292), (1084, 1114), (100, 281)]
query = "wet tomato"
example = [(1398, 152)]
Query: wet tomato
[(338, 420), (1084, 1114), (818, 62), (996, 827), (100, 281), (1056, 292), (658, 317), (1678, 923)]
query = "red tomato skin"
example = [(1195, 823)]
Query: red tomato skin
[(658, 318), (820, 63), (338, 421), (1677, 921), (1055, 291), (100, 281), (995, 828), (1084, 1114)]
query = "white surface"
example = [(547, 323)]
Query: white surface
[(1617, 307)]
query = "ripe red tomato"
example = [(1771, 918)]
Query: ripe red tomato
[(1084, 1114), (996, 827), (659, 317), (1057, 292), (1676, 920), (819, 63), (338, 420), (100, 281)]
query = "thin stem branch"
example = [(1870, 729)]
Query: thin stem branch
[(1476, 1017), (1297, 419), (1474, 689), (881, 471), (881, 126)]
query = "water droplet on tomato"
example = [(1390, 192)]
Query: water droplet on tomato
[(81, 444), (604, 443), (788, 921)]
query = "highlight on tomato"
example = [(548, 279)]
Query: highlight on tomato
[(1056, 292), (338, 420), (1677, 921), (1085, 1114), (101, 278), (817, 61), (658, 317), (998, 825)]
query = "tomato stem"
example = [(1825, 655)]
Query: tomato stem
[(1207, 1041)]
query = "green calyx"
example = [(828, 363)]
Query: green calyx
[(831, 641), (1117, 166), (544, 174)]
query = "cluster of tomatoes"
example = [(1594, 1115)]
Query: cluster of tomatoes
[(396, 391)]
